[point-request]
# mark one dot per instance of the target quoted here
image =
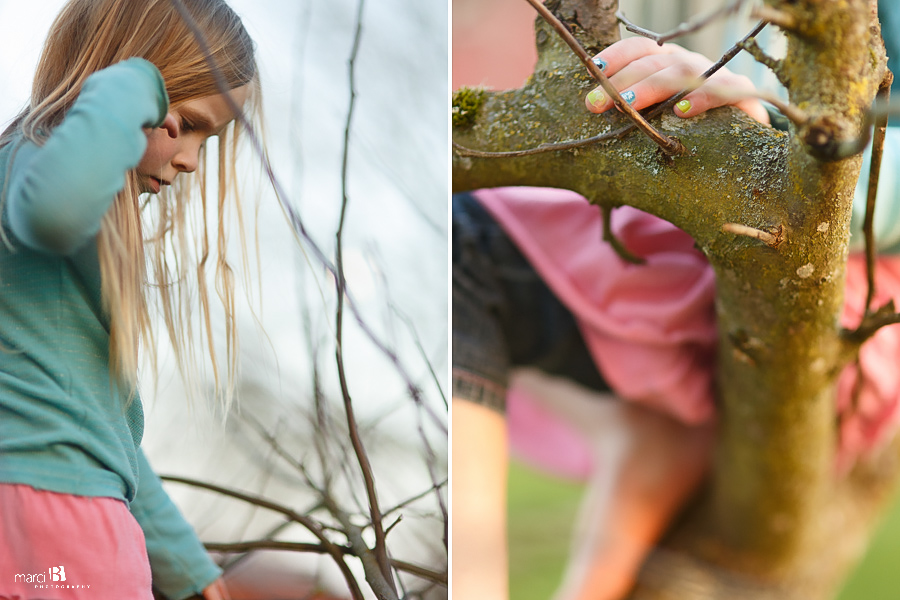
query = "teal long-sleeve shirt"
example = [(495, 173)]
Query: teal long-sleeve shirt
[(65, 425)]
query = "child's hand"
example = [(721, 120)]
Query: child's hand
[(646, 74), (170, 124), (216, 591)]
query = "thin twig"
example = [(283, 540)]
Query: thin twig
[(382, 586), (237, 560), (871, 323), (773, 16), (685, 28), (358, 447), (772, 240), (249, 546), (610, 238), (618, 133), (412, 499), (774, 64), (311, 524), (385, 588), (884, 96), (430, 455), (670, 146), (793, 113), (410, 326)]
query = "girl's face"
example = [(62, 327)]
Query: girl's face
[(175, 147)]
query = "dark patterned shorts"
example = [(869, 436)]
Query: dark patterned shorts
[(504, 315)]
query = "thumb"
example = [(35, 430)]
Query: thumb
[(170, 124)]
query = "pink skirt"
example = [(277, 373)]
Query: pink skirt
[(64, 547)]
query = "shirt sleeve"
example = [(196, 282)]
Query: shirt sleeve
[(179, 563), (59, 191)]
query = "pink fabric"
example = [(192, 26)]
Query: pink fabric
[(543, 440), (64, 547), (870, 415), (651, 328)]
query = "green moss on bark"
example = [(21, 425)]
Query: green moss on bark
[(466, 104)]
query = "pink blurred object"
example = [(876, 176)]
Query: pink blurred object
[(651, 328), (543, 440), (869, 416)]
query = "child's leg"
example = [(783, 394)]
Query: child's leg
[(645, 467), (478, 501), (66, 547), (503, 315)]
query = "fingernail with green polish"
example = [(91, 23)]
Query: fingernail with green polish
[(599, 62), (628, 96), (684, 106), (596, 97)]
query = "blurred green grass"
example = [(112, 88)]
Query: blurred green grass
[(542, 510)]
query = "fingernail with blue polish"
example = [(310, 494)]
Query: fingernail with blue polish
[(628, 96), (599, 62)]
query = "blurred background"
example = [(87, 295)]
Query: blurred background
[(493, 46), (395, 259)]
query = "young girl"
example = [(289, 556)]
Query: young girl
[(122, 104)]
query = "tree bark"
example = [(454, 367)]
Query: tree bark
[(774, 521)]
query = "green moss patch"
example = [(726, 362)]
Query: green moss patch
[(466, 103)]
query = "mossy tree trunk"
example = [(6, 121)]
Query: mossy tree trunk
[(775, 521)]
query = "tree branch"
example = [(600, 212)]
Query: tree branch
[(781, 19), (358, 447), (884, 96), (309, 523), (774, 64), (613, 241), (685, 28), (772, 240), (252, 545)]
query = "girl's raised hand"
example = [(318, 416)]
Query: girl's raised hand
[(170, 124), (646, 73), (216, 591)]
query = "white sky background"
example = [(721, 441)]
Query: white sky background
[(395, 233)]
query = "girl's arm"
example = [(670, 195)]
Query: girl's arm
[(58, 192), (180, 565)]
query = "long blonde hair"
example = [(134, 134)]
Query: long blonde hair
[(89, 35)]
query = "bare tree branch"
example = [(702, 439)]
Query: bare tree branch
[(309, 523), (774, 64), (685, 28), (613, 241), (358, 448), (266, 544), (779, 18), (884, 96)]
